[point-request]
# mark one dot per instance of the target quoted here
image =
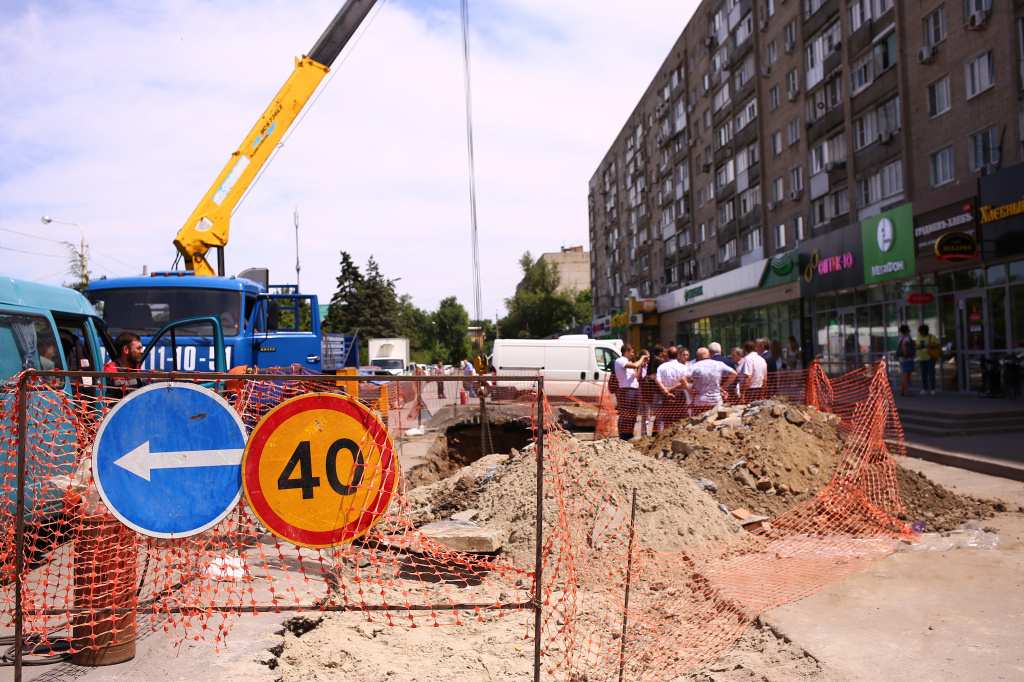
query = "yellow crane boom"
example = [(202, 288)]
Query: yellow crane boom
[(209, 225)]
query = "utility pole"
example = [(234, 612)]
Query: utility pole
[(477, 295), (80, 256), (298, 268)]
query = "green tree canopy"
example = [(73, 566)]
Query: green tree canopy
[(539, 308), (451, 324)]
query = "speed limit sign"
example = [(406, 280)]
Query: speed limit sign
[(319, 470)]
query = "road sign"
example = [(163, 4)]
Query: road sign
[(167, 458), (319, 470)]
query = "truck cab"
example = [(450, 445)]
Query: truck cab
[(261, 329)]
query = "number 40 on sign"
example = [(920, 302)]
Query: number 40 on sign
[(319, 470)]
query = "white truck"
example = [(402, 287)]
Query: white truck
[(572, 365), (390, 355)]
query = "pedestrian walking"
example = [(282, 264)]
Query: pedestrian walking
[(439, 371), (906, 353), (929, 351), (627, 369)]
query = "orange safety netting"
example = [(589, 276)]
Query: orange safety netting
[(92, 582)]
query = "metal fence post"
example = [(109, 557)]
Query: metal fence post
[(19, 522), (538, 567)]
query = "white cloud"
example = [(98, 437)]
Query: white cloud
[(120, 118)]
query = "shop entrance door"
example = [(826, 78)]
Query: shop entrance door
[(973, 342)]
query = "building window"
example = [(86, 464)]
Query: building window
[(860, 14), (727, 251), (828, 151), (886, 183), (777, 143), (752, 240), (812, 6), (772, 54), (935, 26), (818, 50), (793, 81), (780, 236), (769, 8), (984, 149), (703, 232), (790, 36), (724, 135), (796, 178), (972, 6), (941, 164), (793, 131), (726, 213), (725, 174), (881, 121), (777, 189), (720, 99), (750, 199), (861, 74), (827, 208), (798, 227), (979, 74), (939, 100), (773, 98)]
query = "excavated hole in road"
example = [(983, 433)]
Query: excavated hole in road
[(462, 444)]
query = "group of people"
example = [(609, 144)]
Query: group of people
[(663, 385), (921, 354)]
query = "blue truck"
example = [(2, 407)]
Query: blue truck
[(261, 328)]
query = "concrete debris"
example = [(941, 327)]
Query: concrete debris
[(464, 536)]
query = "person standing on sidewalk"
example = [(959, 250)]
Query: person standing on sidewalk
[(627, 373), (929, 350), (709, 378), (753, 373), (905, 353)]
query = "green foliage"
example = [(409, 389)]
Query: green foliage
[(367, 304), (539, 309), (451, 322)]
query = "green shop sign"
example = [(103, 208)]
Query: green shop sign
[(888, 241), (693, 293), (781, 269)]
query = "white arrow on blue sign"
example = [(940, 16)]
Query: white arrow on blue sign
[(167, 459)]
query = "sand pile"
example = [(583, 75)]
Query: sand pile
[(771, 455), (765, 457), (673, 513)]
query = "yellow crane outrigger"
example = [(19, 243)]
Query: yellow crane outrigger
[(209, 224)]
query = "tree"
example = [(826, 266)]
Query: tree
[(377, 313), (451, 324), (343, 312), (78, 266), (417, 325), (539, 309)]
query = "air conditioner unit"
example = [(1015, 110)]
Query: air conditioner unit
[(795, 195), (792, 94), (977, 20), (636, 318), (926, 54), (885, 138)]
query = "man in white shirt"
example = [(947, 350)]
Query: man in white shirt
[(753, 373), (673, 379), (709, 378), (627, 373)]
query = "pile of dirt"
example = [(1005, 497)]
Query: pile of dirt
[(673, 513), (770, 455), (766, 456), (939, 509)]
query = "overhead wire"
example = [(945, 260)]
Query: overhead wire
[(466, 59)]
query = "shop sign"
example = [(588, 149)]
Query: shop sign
[(831, 261), (743, 278), (1001, 200), (920, 298), (620, 320), (929, 228), (888, 244), (956, 246), (782, 269), (695, 292)]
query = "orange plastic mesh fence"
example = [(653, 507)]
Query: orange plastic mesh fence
[(91, 580)]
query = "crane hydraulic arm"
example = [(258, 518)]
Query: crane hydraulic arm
[(209, 224)]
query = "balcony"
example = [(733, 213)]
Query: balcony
[(744, 93), (833, 61), (884, 86), (745, 136), (754, 174), (823, 125), (874, 155), (819, 19), (723, 153), (752, 218), (726, 192)]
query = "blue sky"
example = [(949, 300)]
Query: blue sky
[(120, 115)]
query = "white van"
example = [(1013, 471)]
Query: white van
[(574, 365)]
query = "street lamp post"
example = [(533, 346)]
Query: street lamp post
[(81, 256)]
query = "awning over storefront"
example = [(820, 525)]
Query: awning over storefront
[(735, 281)]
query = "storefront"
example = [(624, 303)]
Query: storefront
[(754, 300), (856, 283)]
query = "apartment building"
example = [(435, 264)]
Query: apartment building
[(793, 163)]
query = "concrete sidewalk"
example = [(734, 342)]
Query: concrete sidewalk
[(920, 615)]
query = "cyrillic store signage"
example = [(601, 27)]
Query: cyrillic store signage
[(1001, 209), (831, 261), (929, 228), (888, 245)]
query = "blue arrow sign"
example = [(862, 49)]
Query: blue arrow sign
[(167, 459)]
